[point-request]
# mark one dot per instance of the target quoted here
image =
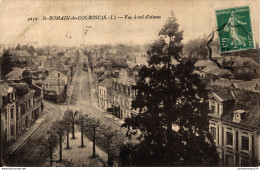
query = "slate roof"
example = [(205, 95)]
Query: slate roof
[(244, 100), (106, 82), (16, 74), (225, 95)]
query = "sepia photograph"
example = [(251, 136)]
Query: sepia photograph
[(128, 83)]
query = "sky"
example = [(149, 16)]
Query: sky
[(195, 17)]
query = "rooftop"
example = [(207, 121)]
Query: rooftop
[(106, 82), (215, 70), (16, 74), (5, 89), (21, 53), (244, 101), (204, 63)]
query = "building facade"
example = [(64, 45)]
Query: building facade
[(235, 128), (104, 94), (122, 95), (55, 86), (8, 113)]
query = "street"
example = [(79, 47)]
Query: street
[(28, 153)]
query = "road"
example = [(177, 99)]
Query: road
[(28, 154)]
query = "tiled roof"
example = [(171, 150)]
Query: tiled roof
[(15, 74)]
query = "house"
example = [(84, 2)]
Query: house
[(21, 56), (24, 106), (122, 95), (235, 126), (137, 59), (39, 74), (252, 85), (104, 94), (40, 61), (16, 75), (8, 113), (243, 65), (216, 71), (54, 63), (37, 101), (55, 86)]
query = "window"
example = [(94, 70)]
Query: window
[(213, 132), (245, 162), (229, 138), (12, 113), (58, 74), (58, 82), (212, 109), (229, 161), (5, 115), (12, 130), (245, 143)]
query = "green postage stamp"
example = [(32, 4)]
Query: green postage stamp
[(235, 29)]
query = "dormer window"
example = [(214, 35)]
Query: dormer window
[(239, 115)]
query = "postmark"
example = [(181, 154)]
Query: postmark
[(235, 29)]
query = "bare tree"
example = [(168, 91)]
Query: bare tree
[(111, 140), (49, 145), (71, 117), (93, 125), (67, 123), (59, 128), (81, 122)]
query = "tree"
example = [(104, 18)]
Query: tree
[(111, 140), (58, 128), (82, 122), (71, 116), (67, 123), (6, 63), (93, 125), (49, 145), (168, 95)]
